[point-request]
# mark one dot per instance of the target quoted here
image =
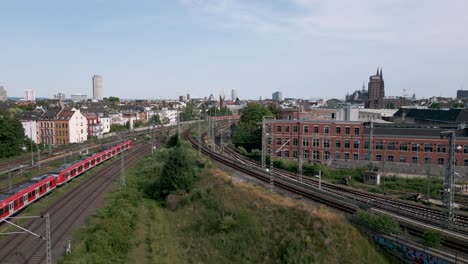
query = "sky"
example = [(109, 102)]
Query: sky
[(160, 49)]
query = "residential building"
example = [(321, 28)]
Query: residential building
[(376, 91), (452, 117), (3, 94), (324, 140), (97, 87), (29, 122), (104, 124), (277, 96), (29, 95), (61, 126), (59, 96), (93, 124), (78, 97)]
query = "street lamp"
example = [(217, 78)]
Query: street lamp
[(383, 165)]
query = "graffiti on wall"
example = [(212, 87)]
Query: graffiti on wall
[(408, 253)]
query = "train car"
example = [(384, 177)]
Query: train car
[(65, 174), (20, 197)]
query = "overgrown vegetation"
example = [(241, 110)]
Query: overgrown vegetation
[(382, 224), (12, 138), (192, 213), (432, 238)]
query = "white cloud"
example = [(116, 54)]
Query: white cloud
[(383, 20)]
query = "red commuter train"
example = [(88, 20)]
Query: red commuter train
[(20, 197)]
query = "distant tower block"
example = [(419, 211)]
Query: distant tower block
[(97, 87), (233, 95)]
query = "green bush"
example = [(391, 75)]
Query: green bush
[(432, 238), (380, 223)]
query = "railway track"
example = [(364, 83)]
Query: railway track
[(421, 213), (289, 182), (66, 213)]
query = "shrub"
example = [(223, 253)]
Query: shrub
[(380, 223), (432, 238)]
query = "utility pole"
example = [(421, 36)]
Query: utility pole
[(32, 153), (199, 135), (371, 137), (449, 190), (122, 167), (47, 237), (39, 158), (272, 180), (263, 145), (221, 141), (178, 121), (300, 153), (9, 176), (428, 171)]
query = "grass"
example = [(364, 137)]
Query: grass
[(223, 221)]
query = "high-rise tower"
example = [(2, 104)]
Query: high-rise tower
[(376, 91), (97, 87)]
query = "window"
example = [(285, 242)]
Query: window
[(414, 159), (337, 143), (295, 129), (356, 156), (305, 154), (465, 162), (356, 144), (415, 147), (356, 131), (294, 141), (338, 130), (286, 140), (347, 130), (294, 154), (316, 155), (286, 128), (286, 153), (346, 143), (402, 158), (346, 156), (403, 146), (379, 145), (427, 147), (305, 142), (316, 142), (390, 158), (278, 154), (391, 146), (316, 129), (378, 157), (326, 130), (337, 155), (326, 156), (440, 161), (441, 148), (366, 145), (279, 141), (326, 143), (278, 129), (465, 149), (427, 160), (306, 129)]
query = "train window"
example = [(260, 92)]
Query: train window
[(15, 203), (21, 200), (47, 185), (1, 211)]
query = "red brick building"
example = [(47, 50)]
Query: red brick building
[(323, 140)]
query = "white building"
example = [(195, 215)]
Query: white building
[(29, 95), (78, 126), (169, 116), (233, 95), (104, 124)]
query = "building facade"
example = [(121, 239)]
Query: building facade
[(97, 87), (462, 94), (325, 140), (376, 91), (78, 97), (58, 126)]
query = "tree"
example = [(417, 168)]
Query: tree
[(113, 99), (188, 113), (275, 110), (248, 133), (391, 105), (157, 119), (432, 238), (12, 137), (214, 111)]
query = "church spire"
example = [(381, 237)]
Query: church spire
[(381, 73), (377, 71), (363, 86)]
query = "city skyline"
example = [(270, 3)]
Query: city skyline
[(305, 49)]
